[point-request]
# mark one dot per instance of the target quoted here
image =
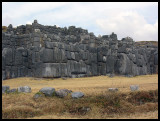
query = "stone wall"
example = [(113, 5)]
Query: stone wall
[(52, 52)]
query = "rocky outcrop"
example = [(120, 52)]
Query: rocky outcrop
[(53, 52)]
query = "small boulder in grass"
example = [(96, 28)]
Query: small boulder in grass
[(38, 95), (5, 89), (62, 93), (12, 91), (25, 89), (113, 89), (77, 95), (48, 91), (134, 87)]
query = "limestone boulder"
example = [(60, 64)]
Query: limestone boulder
[(38, 95), (62, 93), (25, 89), (77, 95), (5, 89), (12, 90), (48, 91), (134, 87)]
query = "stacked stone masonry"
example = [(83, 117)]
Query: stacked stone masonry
[(53, 52)]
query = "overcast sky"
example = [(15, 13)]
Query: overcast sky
[(138, 20)]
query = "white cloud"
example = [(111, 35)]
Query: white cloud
[(25, 10), (28, 22), (129, 24), (123, 18)]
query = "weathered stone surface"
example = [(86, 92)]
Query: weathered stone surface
[(7, 55), (110, 64), (49, 45), (25, 89), (3, 75), (37, 95), (51, 70), (77, 95), (73, 56), (53, 52), (134, 87), (5, 89), (156, 59), (63, 69), (48, 91), (62, 93), (124, 64), (46, 55), (12, 91)]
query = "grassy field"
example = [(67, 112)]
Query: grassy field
[(102, 104)]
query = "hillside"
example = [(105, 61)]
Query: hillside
[(143, 43)]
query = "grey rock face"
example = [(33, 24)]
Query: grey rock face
[(51, 70), (110, 64), (5, 89), (48, 91), (53, 52), (77, 95), (134, 87), (124, 64), (47, 55), (25, 89), (7, 53), (62, 93)]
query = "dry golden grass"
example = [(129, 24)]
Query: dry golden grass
[(142, 43), (147, 115), (24, 106), (4, 28), (88, 85)]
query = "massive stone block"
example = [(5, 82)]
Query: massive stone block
[(7, 56), (50, 70), (63, 56), (110, 64), (156, 59), (101, 68), (47, 55), (124, 65), (63, 68), (3, 62)]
